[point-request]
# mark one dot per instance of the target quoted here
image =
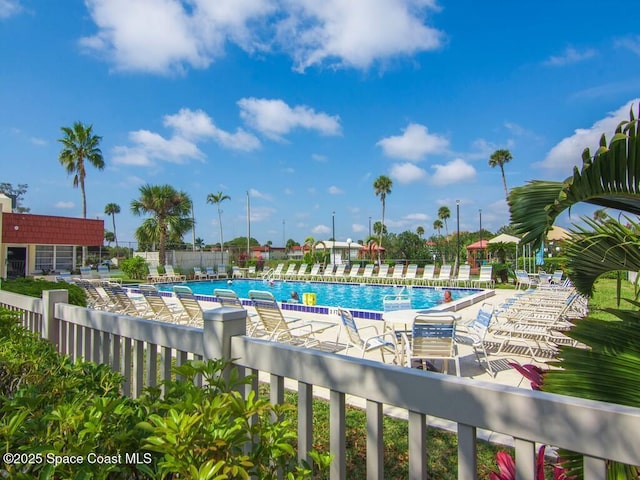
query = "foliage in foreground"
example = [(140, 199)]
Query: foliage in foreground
[(608, 368), (52, 408)]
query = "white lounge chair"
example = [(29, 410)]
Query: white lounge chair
[(411, 274), (398, 273), (475, 333), (485, 278), (191, 309), (432, 338), (428, 275), (198, 274), (444, 276), (464, 276), (367, 342), (279, 330)]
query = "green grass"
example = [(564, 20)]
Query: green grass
[(442, 446), (605, 296)]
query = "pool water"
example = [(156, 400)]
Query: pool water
[(345, 295)]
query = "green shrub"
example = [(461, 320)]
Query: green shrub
[(134, 267), (34, 287), (50, 406)]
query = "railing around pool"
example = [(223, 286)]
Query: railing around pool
[(136, 347)]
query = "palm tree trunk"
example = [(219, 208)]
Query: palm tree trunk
[(115, 236), (381, 233), (85, 249), (504, 182), (221, 239)]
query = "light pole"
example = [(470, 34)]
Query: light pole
[(349, 252), (482, 256), (333, 230), (458, 232), (369, 227)]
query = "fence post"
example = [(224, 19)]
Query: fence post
[(220, 324), (50, 325)]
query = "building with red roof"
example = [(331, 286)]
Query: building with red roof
[(38, 244)]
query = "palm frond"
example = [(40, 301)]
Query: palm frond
[(611, 178), (607, 246)]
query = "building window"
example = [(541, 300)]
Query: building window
[(63, 258), (54, 257), (44, 257)]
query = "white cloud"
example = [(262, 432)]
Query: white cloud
[(569, 56), (182, 35), (318, 158), (194, 34), (333, 190), (631, 43), (420, 217), (358, 228), (9, 8), (40, 142), (339, 33), (258, 194), (455, 171), (274, 118), (65, 205), (407, 173), (260, 214), (188, 127), (321, 230), (414, 143), (568, 152)]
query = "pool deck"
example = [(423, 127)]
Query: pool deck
[(504, 374)]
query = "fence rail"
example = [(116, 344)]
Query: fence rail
[(144, 350)]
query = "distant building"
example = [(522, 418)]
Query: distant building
[(38, 244)]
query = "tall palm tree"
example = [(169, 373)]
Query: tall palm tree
[(80, 144), (437, 225), (444, 214), (382, 187), (217, 199), (171, 215), (420, 231), (112, 209), (499, 158)]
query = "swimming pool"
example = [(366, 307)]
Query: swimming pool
[(347, 295)]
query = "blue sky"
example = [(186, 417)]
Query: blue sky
[(303, 104)]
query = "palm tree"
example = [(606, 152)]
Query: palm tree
[(420, 231), (608, 179), (499, 158), (217, 199), (437, 225), (112, 209), (108, 237), (444, 214), (80, 144), (171, 215), (600, 215), (382, 187)]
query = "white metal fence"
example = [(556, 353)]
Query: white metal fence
[(136, 347)]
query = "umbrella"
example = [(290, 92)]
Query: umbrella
[(504, 238)]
